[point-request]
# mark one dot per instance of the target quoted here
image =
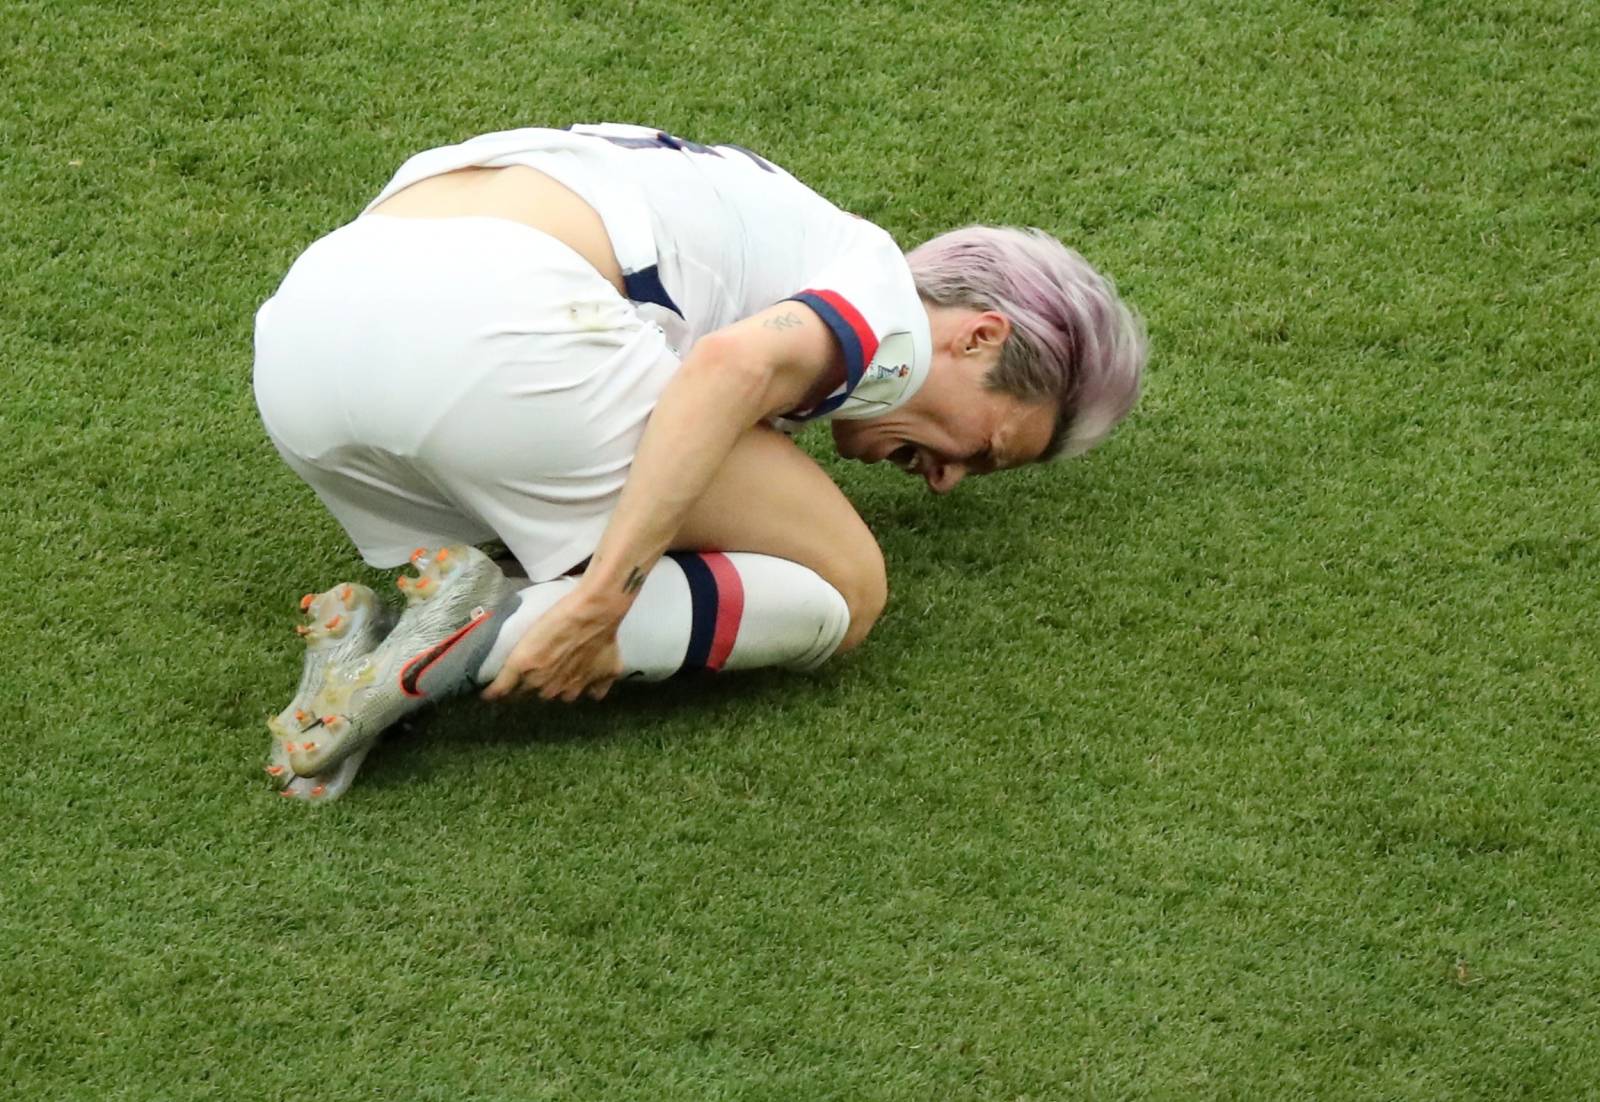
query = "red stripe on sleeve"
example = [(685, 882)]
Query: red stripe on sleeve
[(730, 607), (852, 317)]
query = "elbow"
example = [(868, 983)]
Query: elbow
[(718, 362)]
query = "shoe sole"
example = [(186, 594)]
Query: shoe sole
[(341, 625)]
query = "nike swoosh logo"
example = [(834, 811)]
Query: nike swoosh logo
[(412, 672)]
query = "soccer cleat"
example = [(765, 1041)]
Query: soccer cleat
[(342, 624), (453, 611), (328, 786)]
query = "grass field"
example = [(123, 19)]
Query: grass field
[(1251, 756)]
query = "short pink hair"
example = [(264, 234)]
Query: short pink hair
[(1072, 339)]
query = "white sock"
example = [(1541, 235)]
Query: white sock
[(706, 610)]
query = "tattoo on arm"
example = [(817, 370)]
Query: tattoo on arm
[(635, 581), (782, 321)]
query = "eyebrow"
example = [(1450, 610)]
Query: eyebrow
[(1052, 446)]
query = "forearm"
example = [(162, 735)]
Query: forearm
[(701, 415), (730, 381)]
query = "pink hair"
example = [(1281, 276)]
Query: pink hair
[(1072, 339)]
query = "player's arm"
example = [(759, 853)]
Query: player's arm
[(733, 379)]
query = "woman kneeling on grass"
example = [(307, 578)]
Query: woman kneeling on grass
[(586, 344)]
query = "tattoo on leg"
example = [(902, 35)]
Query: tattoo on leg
[(783, 321), (635, 581)]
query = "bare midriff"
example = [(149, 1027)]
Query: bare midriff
[(520, 194)]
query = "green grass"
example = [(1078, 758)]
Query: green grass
[(1251, 756)]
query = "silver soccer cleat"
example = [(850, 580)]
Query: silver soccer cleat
[(341, 625), (454, 608)]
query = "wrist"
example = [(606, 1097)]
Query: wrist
[(601, 599)]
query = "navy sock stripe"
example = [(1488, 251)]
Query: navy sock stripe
[(702, 606)]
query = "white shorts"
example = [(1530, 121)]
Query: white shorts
[(457, 380)]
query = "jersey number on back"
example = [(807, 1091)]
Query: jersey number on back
[(662, 140)]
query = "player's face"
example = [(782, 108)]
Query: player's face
[(954, 426), (972, 433)]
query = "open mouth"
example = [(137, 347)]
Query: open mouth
[(904, 457)]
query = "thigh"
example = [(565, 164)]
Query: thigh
[(472, 368), (772, 499), (381, 504)]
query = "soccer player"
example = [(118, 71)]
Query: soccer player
[(588, 344)]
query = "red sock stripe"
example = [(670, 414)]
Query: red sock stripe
[(730, 607)]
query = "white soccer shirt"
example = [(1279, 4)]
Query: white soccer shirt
[(707, 235)]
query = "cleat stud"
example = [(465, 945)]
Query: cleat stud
[(274, 770), (418, 553), (305, 602), (285, 793), (329, 721), (402, 581), (319, 790), (333, 622), (300, 716), (345, 594), (302, 630), (288, 747), (308, 747)]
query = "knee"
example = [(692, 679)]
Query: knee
[(865, 589)]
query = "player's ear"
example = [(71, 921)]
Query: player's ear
[(986, 331)]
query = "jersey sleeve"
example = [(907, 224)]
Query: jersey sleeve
[(866, 297)]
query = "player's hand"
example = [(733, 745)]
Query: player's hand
[(569, 652)]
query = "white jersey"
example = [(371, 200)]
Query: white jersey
[(708, 235)]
